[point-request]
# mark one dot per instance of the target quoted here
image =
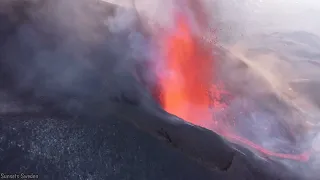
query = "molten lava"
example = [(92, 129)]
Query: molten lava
[(187, 86), (189, 76)]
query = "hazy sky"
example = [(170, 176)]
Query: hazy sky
[(250, 15)]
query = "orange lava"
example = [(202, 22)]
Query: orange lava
[(187, 87), (189, 74)]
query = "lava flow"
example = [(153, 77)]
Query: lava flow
[(187, 88)]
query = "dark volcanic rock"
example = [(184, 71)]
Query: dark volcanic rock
[(60, 148), (64, 147)]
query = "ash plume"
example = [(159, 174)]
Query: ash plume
[(68, 54)]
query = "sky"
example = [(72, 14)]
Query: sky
[(251, 16)]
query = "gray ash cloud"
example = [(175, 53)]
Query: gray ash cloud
[(63, 51)]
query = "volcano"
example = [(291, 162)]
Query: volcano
[(71, 109)]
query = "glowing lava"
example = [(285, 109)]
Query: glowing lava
[(189, 71), (188, 89)]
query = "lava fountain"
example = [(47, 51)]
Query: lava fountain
[(189, 74), (188, 86)]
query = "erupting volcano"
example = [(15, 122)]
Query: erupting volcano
[(188, 86)]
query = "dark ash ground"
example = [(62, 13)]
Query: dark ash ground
[(60, 147)]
